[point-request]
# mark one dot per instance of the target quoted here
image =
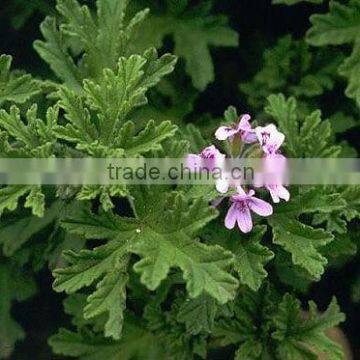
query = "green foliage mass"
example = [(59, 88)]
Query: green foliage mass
[(340, 26), (150, 272)]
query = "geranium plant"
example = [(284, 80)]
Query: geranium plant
[(228, 270)]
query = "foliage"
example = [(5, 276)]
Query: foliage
[(150, 271), (292, 2), (194, 31), (291, 68), (340, 26), (14, 85)]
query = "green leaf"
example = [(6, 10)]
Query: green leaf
[(204, 267), (249, 327), (340, 26), (36, 201), (74, 306), (292, 275), (82, 346), (194, 33), (55, 52), (9, 196), (314, 199), (111, 20), (95, 40), (302, 242), (250, 258), (104, 192), (195, 139), (87, 266), (103, 226), (284, 111), (292, 2), (164, 243), (311, 144), (192, 42), (198, 314), (15, 87), (350, 68), (148, 139), (116, 94), (15, 285), (80, 128), (78, 20), (298, 338), (135, 343), (110, 296), (34, 137), (14, 234), (342, 248), (12, 123), (336, 221), (341, 122), (231, 116), (302, 138), (291, 68), (249, 349)]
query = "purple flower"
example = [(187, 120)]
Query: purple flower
[(277, 192), (270, 138), (274, 164), (210, 157), (243, 128), (239, 211)]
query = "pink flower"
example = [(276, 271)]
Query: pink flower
[(275, 167), (209, 159), (243, 128), (210, 156), (277, 192), (274, 164), (239, 211), (270, 138)]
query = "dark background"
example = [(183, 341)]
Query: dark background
[(259, 24)]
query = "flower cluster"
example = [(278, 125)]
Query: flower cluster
[(266, 139)]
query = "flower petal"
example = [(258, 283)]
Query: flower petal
[(244, 123), (222, 186), (223, 132), (273, 194), (281, 192), (249, 137), (193, 162), (244, 220), (260, 207), (275, 141), (231, 216), (270, 138)]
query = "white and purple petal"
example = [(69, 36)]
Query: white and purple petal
[(193, 162), (224, 132), (222, 186), (278, 192), (244, 219), (244, 123), (231, 216), (260, 207)]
